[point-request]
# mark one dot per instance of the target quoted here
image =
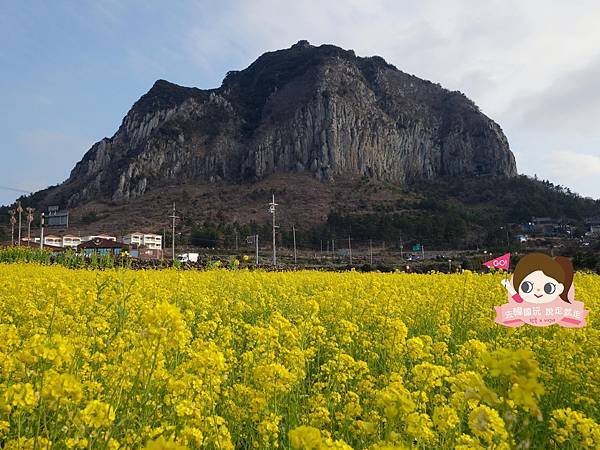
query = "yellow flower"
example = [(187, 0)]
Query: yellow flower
[(367, 428), (305, 438), (216, 433), (575, 429), (418, 426), (466, 442), (21, 396), (162, 444), (76, 443), (445, 418), (24, 443), (268, 430), (97, 414), (521, 369), (416, 348), (396, 400), (470, 387), (62, 388), (486, 424), (273, 378), (192, 436), (165, 323), (4, 427), (427, 375), (127, 359)]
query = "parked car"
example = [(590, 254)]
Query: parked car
[(188, 257)]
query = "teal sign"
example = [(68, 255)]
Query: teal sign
[(416, 248)]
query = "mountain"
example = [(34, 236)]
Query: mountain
[(348, 145), (321, 111)]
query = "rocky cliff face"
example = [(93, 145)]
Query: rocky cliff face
[(320, 110)]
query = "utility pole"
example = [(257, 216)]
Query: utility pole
[(42, 231), (370, 252), (294, 233), (500, 239), (236, 240), (13, 221), (19, 210), (29, 220), (272, 207), (401, 248), (350, 249), (173, 216), (423, 251), (256, 241)]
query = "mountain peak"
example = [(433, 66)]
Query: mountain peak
[(320, 110), (301, 44)]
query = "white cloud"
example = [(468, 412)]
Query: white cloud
[(570, 105), (531, 66), (510, 48), (578, 171), (572, 165)]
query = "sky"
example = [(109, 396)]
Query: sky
[(70, 70)]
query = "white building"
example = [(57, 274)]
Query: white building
[(70, 241), (99, 236), (54, 241), (148, 240)]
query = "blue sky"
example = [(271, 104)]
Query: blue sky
[(72, 69)]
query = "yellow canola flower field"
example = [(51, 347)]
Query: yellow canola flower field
[(304, 360)]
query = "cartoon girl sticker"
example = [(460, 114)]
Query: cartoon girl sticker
[(541, 293)]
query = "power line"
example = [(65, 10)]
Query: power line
[(13, 189)]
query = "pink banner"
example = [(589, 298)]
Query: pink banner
[(570, 315), (502, 262)]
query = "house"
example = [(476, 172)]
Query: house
[(34, 245), (99, 236), (148, 240), (102, 247), (549, 226), (133, 238), (592, 225), (70, 241), (544, 225), (528, 228), (53, 241)]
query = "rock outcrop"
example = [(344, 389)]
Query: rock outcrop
[(320, 110)]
